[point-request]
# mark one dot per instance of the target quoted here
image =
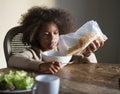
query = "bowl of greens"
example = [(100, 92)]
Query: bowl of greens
[(15, 82)]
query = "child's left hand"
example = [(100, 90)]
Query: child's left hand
[(92, 47)]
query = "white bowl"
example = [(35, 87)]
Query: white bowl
[(49, 56)]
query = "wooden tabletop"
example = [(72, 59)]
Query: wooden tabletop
[(87, 78)]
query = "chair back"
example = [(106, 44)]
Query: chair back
[(13, 42)]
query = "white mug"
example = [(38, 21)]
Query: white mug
[(46, 84)]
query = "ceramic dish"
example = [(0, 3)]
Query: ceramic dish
[(15, 91)]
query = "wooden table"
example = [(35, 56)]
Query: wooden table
[(88, 78)]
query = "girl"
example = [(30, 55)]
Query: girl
[(42, 27)]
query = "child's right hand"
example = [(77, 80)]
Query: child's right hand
[(51, 67)]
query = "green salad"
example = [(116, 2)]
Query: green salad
[(19, 80)]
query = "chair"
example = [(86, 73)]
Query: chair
[(12, 42)]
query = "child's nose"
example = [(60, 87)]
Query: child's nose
[(51, 36)]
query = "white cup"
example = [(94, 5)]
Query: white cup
[(46, 84)]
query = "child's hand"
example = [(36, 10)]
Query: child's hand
[(94, 46), (51, 67)]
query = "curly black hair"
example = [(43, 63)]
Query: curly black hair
[(36, 17)]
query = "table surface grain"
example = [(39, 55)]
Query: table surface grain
[(100, 78)]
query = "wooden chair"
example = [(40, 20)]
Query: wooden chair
[(13, 42)]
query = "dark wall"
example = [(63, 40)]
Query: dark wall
[(107, 14)]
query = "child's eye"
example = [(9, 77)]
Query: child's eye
[(46, 33), (56, 33)]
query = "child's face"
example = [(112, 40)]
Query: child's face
[(49, 37)]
